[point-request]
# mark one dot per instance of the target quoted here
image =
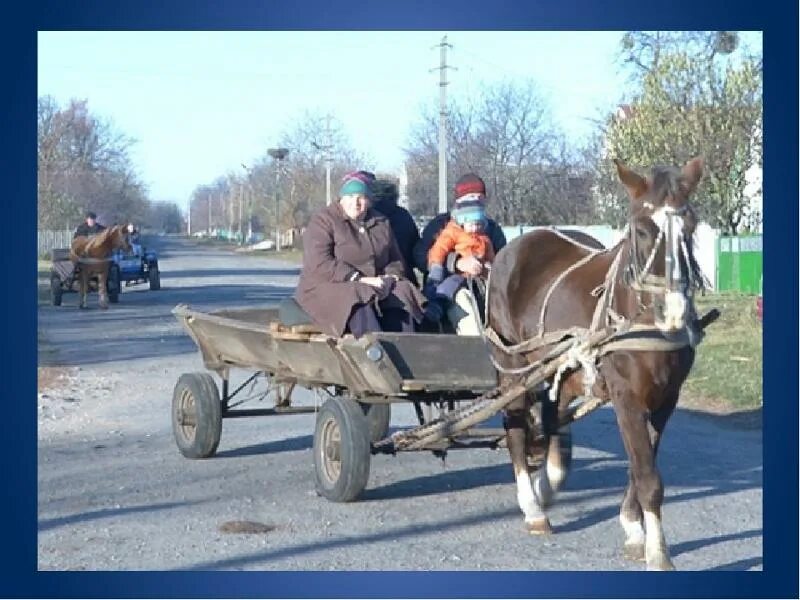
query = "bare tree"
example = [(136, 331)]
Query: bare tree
[(507, 136), (84, 162)]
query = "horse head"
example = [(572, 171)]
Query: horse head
[(120, 239), (662, 224)]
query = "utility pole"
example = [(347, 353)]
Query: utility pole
[(326, 149), (241, 223), (209, 214), (442, 68), (278, 154), (189, 219)]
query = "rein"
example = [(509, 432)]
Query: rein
[(620, 333)]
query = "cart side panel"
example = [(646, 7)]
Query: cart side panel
[(440, 362), (244, 340)]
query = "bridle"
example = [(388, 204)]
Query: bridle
[(640, 278)]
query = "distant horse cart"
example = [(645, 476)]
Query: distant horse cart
[(64, 276), (88, 265), (570, 326)]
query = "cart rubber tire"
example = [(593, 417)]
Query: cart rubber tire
[(154, 277), (378, 416), (341, 450), (55, 290), (196, 415), (113, 284)]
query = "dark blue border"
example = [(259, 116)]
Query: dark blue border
[(777, 19)]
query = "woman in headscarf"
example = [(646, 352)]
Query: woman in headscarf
[(353, 274)]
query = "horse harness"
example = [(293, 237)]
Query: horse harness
[(581, 347)]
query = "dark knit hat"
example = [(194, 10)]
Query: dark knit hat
[(385, 190), (470, 184), (91, 215)]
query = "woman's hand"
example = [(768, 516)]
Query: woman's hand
[(469, 265), (376, 282), (383, 284)]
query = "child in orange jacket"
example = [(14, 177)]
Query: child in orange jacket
[(464, 235)]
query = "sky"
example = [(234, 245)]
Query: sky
[(199, 104)]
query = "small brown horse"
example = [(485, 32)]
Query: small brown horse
[(92, 256), (550, 281)]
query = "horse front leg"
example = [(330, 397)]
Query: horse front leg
[(515, 422), (645, 482), (630, 516), (102, 291), (632, 521)]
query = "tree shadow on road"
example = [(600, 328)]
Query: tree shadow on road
[(300, 442), (105, 513), (141, 325), (395, 534), (442, 483)]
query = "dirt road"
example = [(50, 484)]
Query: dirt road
[(115, 494)]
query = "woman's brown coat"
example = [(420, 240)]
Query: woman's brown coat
[(335, 248)]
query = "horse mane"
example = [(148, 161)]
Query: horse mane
[(99, 239)]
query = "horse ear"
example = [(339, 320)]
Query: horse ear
[(635, 183), (692, 172)]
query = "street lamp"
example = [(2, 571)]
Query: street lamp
[(278, 154)]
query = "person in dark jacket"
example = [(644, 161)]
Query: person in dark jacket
[(353, 277), (454, 262), (403, 225), (89, 227)]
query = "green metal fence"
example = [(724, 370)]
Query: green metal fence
[(739, 263)]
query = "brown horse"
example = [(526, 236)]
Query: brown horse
[(548, 281), (92, 256)]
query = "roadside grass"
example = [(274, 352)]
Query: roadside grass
[(727, 372)]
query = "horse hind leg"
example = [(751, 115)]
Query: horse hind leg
[(551, 475), (516, 423), (83, 290)]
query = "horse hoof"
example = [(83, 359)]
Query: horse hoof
[(82, 306), (104, 306), (660, 563), (539, 526), (633, 552)]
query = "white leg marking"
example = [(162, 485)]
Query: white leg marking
[(527, 499), (634, 531), (656, 551)]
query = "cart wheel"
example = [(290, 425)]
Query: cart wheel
[(341, 450), (196, 415), (113, 284), (378, 418), (55, 290), (155, 278)]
